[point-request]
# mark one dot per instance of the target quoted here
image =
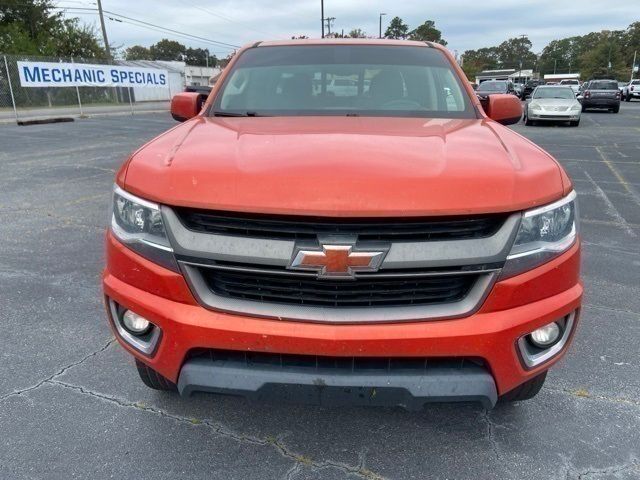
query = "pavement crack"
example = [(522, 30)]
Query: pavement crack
[(300, 460), (582, 393), (610, 309), (58, 373), (491, 434), (293, 471), (633, 465)]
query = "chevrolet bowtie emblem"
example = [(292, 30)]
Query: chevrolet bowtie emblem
[(337, 261)]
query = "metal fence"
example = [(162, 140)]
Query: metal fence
[(18, 102)]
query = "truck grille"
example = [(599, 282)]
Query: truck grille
[(283, 227), (364, 291)]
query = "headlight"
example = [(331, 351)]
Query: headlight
[(544, 233), (576, 106), (138, 224), (535, 106)]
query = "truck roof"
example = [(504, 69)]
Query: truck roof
[(345, 41)]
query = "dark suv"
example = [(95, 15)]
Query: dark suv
[(601, 94), (529, 87), (490, 87)]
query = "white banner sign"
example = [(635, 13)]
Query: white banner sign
[(50, 74)]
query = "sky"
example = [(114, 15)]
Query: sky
[(465, 24)]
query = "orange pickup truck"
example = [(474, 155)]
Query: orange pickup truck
[(389, 243)]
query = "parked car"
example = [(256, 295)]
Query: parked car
[(622, 86), (491, 87), (518, 87), (553, 103), (529, 87), (574, 84), (632, 90), (283, 242), (342, 87), (602, 94)]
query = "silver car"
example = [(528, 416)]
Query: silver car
[(553, 103)]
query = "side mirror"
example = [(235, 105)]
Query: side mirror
[(186, 105), (503, 108)]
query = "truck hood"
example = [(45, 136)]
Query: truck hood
[(344, 166)]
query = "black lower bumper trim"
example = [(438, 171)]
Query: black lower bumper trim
[(409, 390)]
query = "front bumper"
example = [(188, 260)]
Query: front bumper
[(513, 308), (554, 116)]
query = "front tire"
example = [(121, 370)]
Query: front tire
[(574, 123), (526, 391), (616, 109), (153, 379)]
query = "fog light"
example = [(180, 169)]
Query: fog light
[(135, 323), (545, 336)]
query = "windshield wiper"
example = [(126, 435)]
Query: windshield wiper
[(236, 114)]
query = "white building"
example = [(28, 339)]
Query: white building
[(516, 76), (558, 77), (199, 76)]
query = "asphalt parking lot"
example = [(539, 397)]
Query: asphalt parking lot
[(72, 406)]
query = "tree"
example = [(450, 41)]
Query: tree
[(199, 57), (137, 52), (475, 61), (357, 33), (595, 62), (167, 49), (515, 52), (427, 32), (397, 29), (225, 61), (33, 27)]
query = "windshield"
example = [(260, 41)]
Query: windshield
[(603, 85), (405, 81), (493, 87), (554, 92), (570, 82)]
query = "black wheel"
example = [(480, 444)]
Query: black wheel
[(526, 391), (627, 98), (153, 379), (616, 109), (574, 123), (584, 109)]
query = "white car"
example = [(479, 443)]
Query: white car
[(632, 90), (343, 87), (574, 84), (553, 103)]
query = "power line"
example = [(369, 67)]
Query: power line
[(142, 23), (113, 19), (223, 17)]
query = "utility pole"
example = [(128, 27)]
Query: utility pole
[(555, 63), (609, 60), (322, 16), (206, 51), (633, 64), (380, 27), (329, 20), (523, 36), (104, 31)]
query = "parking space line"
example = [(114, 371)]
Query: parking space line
[(611, 209), (619, 176)]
